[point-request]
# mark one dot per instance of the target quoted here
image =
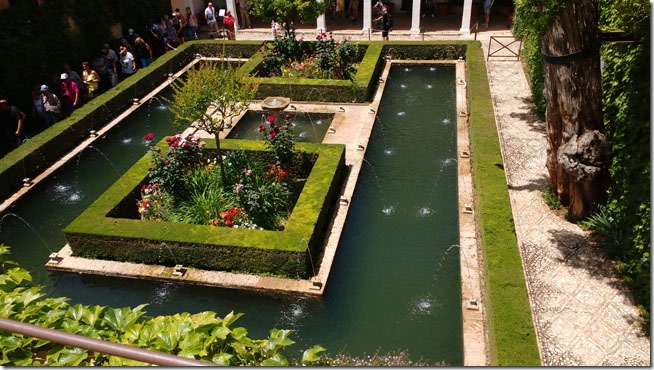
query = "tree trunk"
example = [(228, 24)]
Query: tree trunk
[(220, 158), (577, 151)]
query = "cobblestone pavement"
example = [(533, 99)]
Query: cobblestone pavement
[(584, 315)]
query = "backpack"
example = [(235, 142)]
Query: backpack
[(389, 22)]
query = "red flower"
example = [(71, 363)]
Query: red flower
[(270, 119), (273, 133), (148, 137), (288, 116), (261, 127), (276, 129)]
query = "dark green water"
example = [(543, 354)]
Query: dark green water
[(306, 127), (395, 279)]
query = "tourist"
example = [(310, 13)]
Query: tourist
[(112, 59), (228, 21), (91, 79), (127, 62), (143, 52), (378, 8), (74, 76), (183, 22), (131, 37), (154, 37), (37, 105), (386, 22), (51, 106), (69, 94), (210, 16), (176, 25), (244, 11), (191, 25), (99, 65), (488, 4), (11, 125)]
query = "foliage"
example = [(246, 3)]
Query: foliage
[(290, 11), (185, 186), (625, 221), (551, 199), (296, 58), (209, 97), (395, 359), (201, 336), (532, 19), (626, 89), (279, 139)]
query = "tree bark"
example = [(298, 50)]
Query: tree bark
[(577, 151)]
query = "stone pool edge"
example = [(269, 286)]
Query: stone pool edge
[(355, 137)]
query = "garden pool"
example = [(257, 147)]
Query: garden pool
[(306, 127), (395, 281)]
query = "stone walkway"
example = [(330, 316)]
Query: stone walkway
[(584, 315)]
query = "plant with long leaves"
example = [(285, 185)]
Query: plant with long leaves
[(210, 97)]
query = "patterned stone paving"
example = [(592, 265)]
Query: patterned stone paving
[(584, 315)]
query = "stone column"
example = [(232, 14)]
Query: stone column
[(465, 18), (415, 17), (367, 14), (320, 24)]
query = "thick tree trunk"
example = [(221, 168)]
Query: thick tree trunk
[(577, 153)]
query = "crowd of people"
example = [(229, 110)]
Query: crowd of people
[(68, 90)]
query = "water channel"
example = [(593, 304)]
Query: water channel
[(395, 283)]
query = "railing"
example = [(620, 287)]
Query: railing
[(475, 27), (504, 46), (97, 345)]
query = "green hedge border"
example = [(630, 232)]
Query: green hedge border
[(511, 333), (512, 337), (96, 234)]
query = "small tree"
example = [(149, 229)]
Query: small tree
[(210, 96), (290, 11)]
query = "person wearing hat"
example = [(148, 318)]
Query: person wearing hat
[(51, 106), (69, 94), (11, 125)]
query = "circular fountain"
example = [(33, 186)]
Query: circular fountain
[(276, 104)]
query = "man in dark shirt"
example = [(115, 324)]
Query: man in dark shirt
[(11, 125)]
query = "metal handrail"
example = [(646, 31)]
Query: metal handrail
[(97, 345)]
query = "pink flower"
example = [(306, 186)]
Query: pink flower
[(288, 116), (270, 119), (261, 127), (148, 137), (166, 162)]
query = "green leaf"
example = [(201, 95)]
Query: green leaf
[(67, 356), (91, 314), (222, 359), (276, 360), (311, 355)]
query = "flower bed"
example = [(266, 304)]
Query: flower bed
[(111, 228)]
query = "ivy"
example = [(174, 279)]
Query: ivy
[(203, 336), (624, 222)]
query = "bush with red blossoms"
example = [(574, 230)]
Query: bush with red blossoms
[(183, 156), (280, 140)]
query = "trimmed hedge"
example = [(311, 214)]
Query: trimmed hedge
[(100, 233), (42, 150)]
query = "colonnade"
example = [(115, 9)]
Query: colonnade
[(367, 17)]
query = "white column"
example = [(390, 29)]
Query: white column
[(320, 24), (415, 17), (465, 18), (367, 14)]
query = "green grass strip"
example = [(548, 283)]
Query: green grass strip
[(512, 337)]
